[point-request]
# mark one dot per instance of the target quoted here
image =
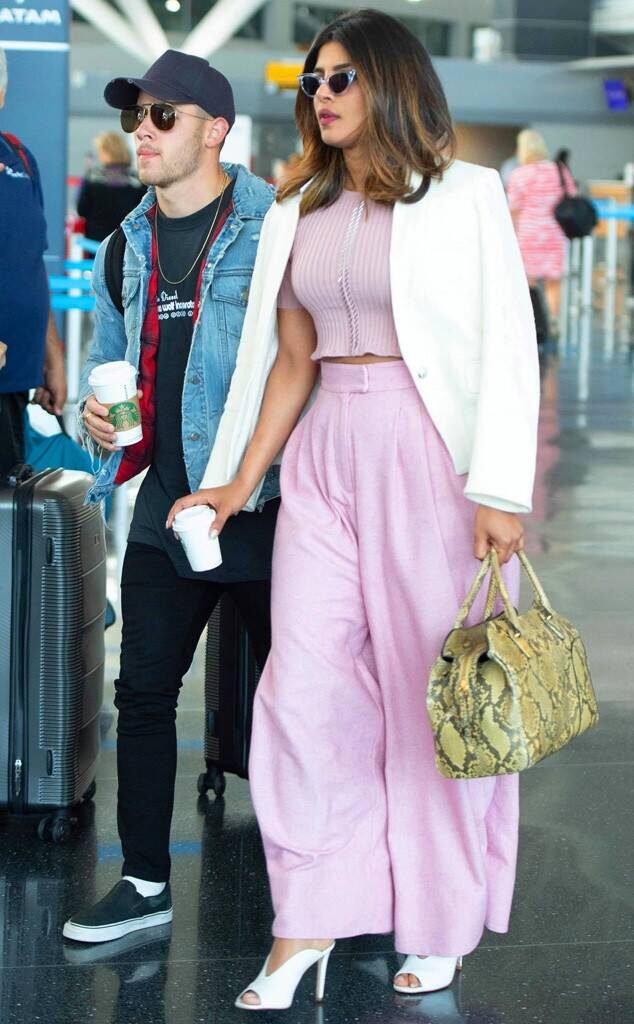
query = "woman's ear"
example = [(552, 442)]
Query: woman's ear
[(216, 132)]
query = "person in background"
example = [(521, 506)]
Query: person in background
[(111, 190), (33, 357), (282, 168), (534, 188)]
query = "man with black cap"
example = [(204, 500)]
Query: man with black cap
[(184, 257)]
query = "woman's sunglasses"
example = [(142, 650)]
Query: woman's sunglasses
[(338, 83), (162, 116)]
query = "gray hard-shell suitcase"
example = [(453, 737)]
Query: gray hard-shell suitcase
[(231, 677), (52, 604)]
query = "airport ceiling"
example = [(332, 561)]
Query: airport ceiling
[(133, 25)]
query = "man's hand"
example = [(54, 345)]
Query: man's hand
[(500, 530), (226, 501), (3, 354), (95, 417), (52, 396)]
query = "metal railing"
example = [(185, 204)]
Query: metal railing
[(578, 281)]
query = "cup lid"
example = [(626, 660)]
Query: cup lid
[(116, 372), (188, 518)]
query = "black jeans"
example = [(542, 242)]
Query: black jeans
[(12, 408), (163, 619)]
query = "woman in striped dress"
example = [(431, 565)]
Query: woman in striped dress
[(533, 191)]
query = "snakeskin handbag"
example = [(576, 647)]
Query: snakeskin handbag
[(509, 691)]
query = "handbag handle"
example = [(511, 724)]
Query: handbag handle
[(538, 590), (491, 596), (467, 604), (562, 178), (62, 425), (491, 562)]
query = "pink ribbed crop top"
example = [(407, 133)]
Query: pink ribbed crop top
[(339, 271)]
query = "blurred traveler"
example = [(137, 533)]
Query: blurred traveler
[(184, 265), (109, 191), (282, 168), (534, 189), (34, 356), (396, 273)]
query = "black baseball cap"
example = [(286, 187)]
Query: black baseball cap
[(177, 78)]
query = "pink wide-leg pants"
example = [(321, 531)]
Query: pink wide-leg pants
[(373, 556)]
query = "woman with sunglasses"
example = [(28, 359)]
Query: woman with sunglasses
[(402, 282)]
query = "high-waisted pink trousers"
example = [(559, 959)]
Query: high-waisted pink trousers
[(373, 556)]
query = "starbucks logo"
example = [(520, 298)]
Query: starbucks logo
[(124, 416)]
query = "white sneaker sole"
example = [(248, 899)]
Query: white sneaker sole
[(107, 932)]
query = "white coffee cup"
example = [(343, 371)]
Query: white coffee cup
[(192, 526), (114, 385)]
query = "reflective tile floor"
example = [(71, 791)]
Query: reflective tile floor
[(569, 956)]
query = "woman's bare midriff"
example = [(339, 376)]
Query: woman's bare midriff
[(366, 358)]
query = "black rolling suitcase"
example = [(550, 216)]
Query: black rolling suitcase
[(231, 676), (52, 604)]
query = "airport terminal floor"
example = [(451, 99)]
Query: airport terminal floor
[(569, 955)]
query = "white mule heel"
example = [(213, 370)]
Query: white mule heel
[(433, 972), (276, 991)]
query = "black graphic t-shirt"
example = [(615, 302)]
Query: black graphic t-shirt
[(179, 240), (247, 539)]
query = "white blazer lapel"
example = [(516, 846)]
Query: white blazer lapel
[(258, 347), (409, 257), (273, 257)]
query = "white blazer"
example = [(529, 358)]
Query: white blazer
[(464, 323)]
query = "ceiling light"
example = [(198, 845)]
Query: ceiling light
[(173, 6)]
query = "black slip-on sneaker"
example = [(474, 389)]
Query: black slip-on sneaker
[(121, 911)]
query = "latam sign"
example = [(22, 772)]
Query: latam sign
[(29, 16), (32, 21)]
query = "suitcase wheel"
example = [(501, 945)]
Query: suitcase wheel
[(212, 779), (57, 828)]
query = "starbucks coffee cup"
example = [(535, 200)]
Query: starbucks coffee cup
[(192, 526), (114, 385)]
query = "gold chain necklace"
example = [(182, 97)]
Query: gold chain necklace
[(207, 237)]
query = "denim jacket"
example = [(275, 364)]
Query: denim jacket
[(216, 337)]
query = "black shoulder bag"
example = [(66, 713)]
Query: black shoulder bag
[(575, 215)]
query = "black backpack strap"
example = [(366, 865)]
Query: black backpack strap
[(113, 267)]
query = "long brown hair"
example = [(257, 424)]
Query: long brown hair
[(408, 122)]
